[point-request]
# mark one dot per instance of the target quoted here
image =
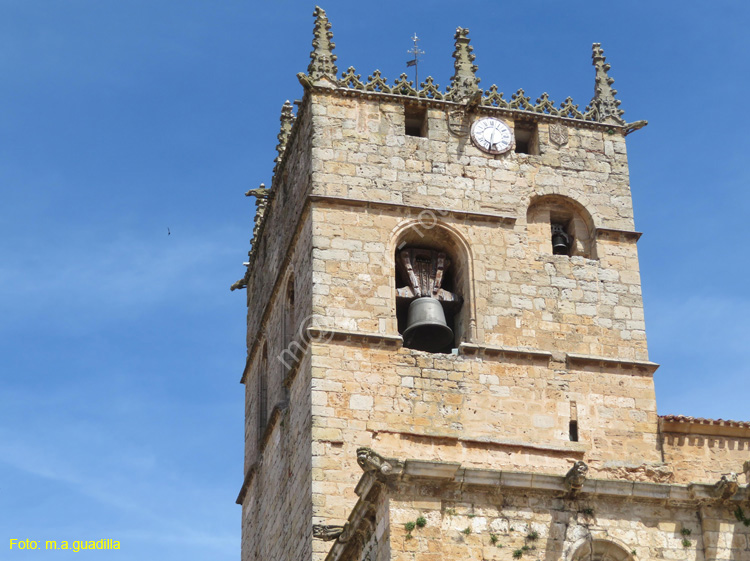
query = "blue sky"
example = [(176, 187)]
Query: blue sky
[(121, 347)]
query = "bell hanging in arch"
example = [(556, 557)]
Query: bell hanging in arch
[(560, 240), (426, 328)]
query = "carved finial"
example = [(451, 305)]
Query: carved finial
[(287, 120), (605, 106), (576, 477), (322, 59), (464, 83)]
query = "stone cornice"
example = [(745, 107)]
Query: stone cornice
[(615, 234), (635, 366), (513, 353), (322, 335), (403, 208), (246, 483)]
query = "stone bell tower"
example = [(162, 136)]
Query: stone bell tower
[(443, 291)]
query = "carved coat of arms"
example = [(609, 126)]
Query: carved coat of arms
[(558, 133), (457, 122)]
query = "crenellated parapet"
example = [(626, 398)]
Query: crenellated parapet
[(464, 87)]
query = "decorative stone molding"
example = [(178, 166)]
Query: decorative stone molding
[(324, 335), (617, 235), (507, 353), (635, 366), (246, 483), (464, 92)]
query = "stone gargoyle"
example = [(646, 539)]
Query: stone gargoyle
[(576, 476), (726, 487), (369, 460)]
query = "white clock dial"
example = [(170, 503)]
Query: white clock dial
[(492, 135)]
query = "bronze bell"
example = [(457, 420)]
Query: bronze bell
[(560, 240), (426, 328)]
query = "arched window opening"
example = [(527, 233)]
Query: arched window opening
[(427, 300), (263, 393), (561, 226), (600, 550)]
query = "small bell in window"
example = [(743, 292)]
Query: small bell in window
[(561, 241)]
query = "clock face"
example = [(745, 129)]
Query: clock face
[(492, 135)]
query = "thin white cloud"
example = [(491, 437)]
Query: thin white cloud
[(122, 276)]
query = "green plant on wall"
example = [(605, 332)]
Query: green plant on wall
[(740, 514)]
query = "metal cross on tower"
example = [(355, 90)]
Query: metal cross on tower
[(415, 51)]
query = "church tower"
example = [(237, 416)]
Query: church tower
[(447, 353)]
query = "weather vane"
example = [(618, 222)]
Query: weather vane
[(415, 51)]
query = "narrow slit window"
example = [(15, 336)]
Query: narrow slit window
[(573, 425), (574, 431), (415, 121)]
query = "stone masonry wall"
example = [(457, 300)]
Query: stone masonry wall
[(360, 151), (276, 340), (520, 298), (706, 457), (278, 506), (475, 525), (484, 413), (372, 186), (290, 196)]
